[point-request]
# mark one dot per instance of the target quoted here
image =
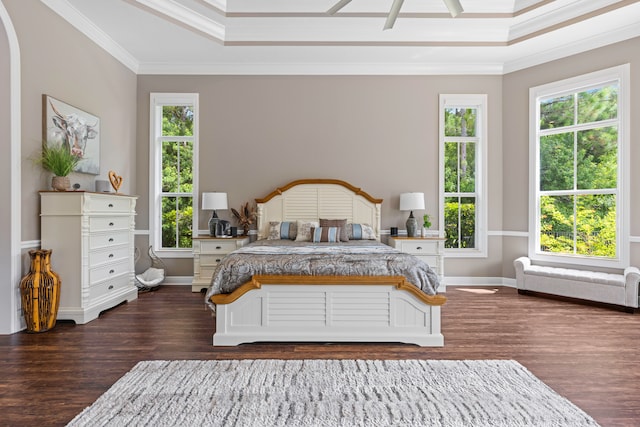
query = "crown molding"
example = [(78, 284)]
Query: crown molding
[(95, 34)]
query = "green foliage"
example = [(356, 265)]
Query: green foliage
[(58, 159), (460, 121), (574, 160), (177, 177), (459, 222), (426, 221)]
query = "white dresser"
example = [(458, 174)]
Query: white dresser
[(428, 249), (91, 236), (207, 253)]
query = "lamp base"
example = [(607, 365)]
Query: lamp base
[(213, 226), (412, 226)]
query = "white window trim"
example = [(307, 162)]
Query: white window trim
[(157, 100), (620, 73), (478, 101)]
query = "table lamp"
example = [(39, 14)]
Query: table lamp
[(411, 202), (214, 201)]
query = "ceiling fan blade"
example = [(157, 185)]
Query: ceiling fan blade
[(454, 6), (393, 14), (336, 7)]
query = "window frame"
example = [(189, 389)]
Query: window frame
[(480, 103), (570, 86), (157, 101)]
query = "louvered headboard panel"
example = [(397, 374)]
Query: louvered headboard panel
[(312, 199)]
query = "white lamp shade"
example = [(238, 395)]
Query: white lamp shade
[(214, 201), (411, 201)]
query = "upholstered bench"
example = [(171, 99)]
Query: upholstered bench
[(618, 289)]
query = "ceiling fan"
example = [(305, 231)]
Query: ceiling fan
[(454, 6)]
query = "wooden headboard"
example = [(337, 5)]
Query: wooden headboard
[(312, 199)]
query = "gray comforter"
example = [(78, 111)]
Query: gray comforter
[(353, 258)]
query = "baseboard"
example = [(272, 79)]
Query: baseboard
[(479, 281), (177, 281)]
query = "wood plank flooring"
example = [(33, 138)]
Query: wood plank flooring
[(588, 354)]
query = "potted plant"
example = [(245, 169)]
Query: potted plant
[(426, 224), (245, 217), (58, 159)]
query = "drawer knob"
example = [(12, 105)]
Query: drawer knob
[(110, 224), (110, 205), (218, 260), (110, 255), (218, 247), (110, 287), (110, 239), (419, 248), (111, 271)]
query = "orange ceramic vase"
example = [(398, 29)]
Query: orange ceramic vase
[(40, 291)]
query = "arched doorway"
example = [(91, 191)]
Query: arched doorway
[(10, 225)]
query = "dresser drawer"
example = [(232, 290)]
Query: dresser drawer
[(417, 248), (106, 239), (105, 223), (110, 254), (217, 247), (103, 289), (108, 271), (103, 204)]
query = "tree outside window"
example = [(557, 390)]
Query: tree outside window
[(177, 176), (578, 150), (460, 149)]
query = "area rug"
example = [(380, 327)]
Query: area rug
[(331, 393)]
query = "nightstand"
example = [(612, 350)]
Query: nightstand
[(207, 253), (428, 249)]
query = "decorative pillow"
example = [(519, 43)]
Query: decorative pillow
[(304, 230), (325, 234), (342, 223), (282, 230), (360, 232)]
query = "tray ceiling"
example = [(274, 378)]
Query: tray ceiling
[(300, 37)]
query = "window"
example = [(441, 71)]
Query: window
[(173, 202), (463, 134), (579, 142)]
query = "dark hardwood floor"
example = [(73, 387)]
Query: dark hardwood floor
[(588, 354)]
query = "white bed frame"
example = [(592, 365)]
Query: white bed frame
[(325, 308)]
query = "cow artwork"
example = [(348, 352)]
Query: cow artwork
[(76, 130)]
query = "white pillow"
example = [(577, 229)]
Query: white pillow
[(304, 230)]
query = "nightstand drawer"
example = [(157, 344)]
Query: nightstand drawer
[(217, 246), (422, 247), (211, 260), (432, 261)]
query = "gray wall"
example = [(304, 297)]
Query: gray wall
[(58, 60), (379, 133), (516, 136)]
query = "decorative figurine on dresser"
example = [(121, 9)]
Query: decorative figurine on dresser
[(92, 236)]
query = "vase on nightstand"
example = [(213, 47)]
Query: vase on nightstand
[(40, 292)]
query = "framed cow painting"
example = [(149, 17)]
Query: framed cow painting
[(75, 129)]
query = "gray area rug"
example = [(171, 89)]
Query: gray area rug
[(331, 393)]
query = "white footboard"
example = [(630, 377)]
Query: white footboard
[(328, 310)]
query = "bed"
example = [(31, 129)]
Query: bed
[(332, 294)]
